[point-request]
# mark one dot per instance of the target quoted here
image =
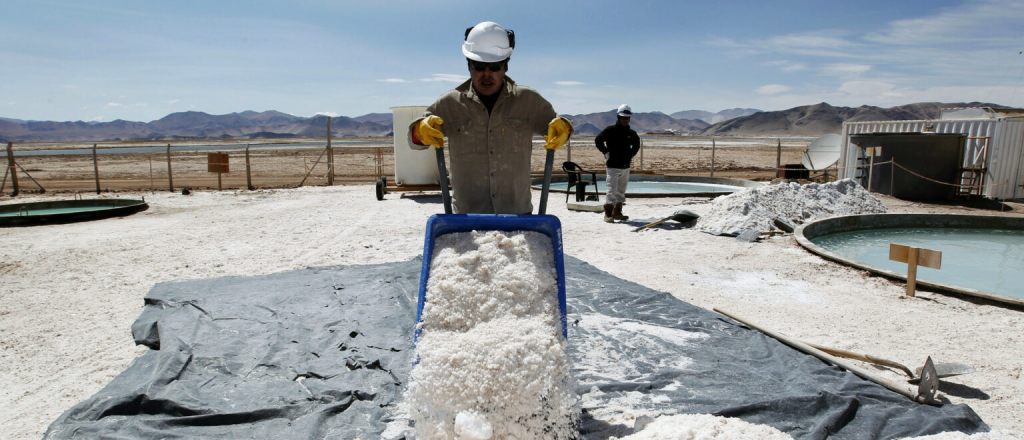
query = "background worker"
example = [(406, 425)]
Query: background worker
[(490, 122), (619, 144)]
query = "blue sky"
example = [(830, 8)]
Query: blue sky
[(141, 60)]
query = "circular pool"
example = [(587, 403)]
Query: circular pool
[(644, 185), (67, 211), (982, 256)]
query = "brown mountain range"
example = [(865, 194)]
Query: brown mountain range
[(810, 120)]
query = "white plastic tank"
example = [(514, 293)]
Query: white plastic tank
[(412, 167)]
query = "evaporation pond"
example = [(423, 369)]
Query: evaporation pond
[(51, 211), (990, 260), (651, 187)]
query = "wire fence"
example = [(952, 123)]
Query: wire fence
[(176, 166)]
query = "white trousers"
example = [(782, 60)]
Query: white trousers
[(615, 182)]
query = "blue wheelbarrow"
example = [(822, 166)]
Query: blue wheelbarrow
[(441, 224)]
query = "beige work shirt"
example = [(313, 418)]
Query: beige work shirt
[(490, 154)]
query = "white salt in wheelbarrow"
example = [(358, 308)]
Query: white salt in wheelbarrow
[(440, 224)]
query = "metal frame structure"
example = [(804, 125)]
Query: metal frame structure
[(993, 154)]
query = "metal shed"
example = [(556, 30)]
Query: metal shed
[(993, 162)]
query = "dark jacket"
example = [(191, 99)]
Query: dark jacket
[(620, 143)]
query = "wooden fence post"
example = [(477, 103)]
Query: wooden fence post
[(248, 170), (13, 168), (170, 178), (712, 157), (330, 155), (778, 158), (96, 168)]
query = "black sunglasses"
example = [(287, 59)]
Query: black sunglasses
[(481, 66)]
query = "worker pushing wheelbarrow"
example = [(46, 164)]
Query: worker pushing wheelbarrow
[(489, 122)]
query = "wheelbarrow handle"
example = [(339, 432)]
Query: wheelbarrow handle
[(548, 162), (442, 177)]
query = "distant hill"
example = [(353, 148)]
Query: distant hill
[(811, 120), (195, 125), (380, 118), (819, 119), (714, 118), (656, 122)]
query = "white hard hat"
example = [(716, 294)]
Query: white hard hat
[(625, 112), (488, 42)]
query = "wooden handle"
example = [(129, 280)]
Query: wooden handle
[(653, 223), (864, 357), (893, 386)]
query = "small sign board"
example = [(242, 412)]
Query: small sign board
[(925, 257), (217, 163), (873, 151), (914, 257)]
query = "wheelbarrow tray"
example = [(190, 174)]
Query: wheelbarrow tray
[(441, 224)]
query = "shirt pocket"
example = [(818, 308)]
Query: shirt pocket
[(519, 136), (465, 140)]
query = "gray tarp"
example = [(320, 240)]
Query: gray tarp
[(325, 353)]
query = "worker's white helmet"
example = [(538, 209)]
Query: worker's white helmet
[(625, 112), (488, 42)]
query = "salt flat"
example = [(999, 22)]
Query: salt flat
[(69, 293)]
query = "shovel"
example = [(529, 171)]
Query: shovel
[(682, 215), (941, 370)]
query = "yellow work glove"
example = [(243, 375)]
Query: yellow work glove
[(558, 132), (428, 130)]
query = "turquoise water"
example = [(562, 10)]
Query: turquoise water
[(651, 187), (990, 260), (51, 211)]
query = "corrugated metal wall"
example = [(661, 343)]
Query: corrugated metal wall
[(1005, 159)]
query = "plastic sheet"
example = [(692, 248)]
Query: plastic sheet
[(325, 353)]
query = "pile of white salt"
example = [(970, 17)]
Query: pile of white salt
[(492, 361), (704, 427), (756, 208)]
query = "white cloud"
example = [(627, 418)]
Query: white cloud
[(173, 101), (772, 89), (808, 40), (446, 77), (725, 42), (330, 114), (977, 21), (392, 80), (842, 69), (787, 66), (95, 119), (872, 91), (119, 105), (568, 83), (68, 86)]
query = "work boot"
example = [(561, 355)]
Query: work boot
[(608, 213), (617, 213)]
